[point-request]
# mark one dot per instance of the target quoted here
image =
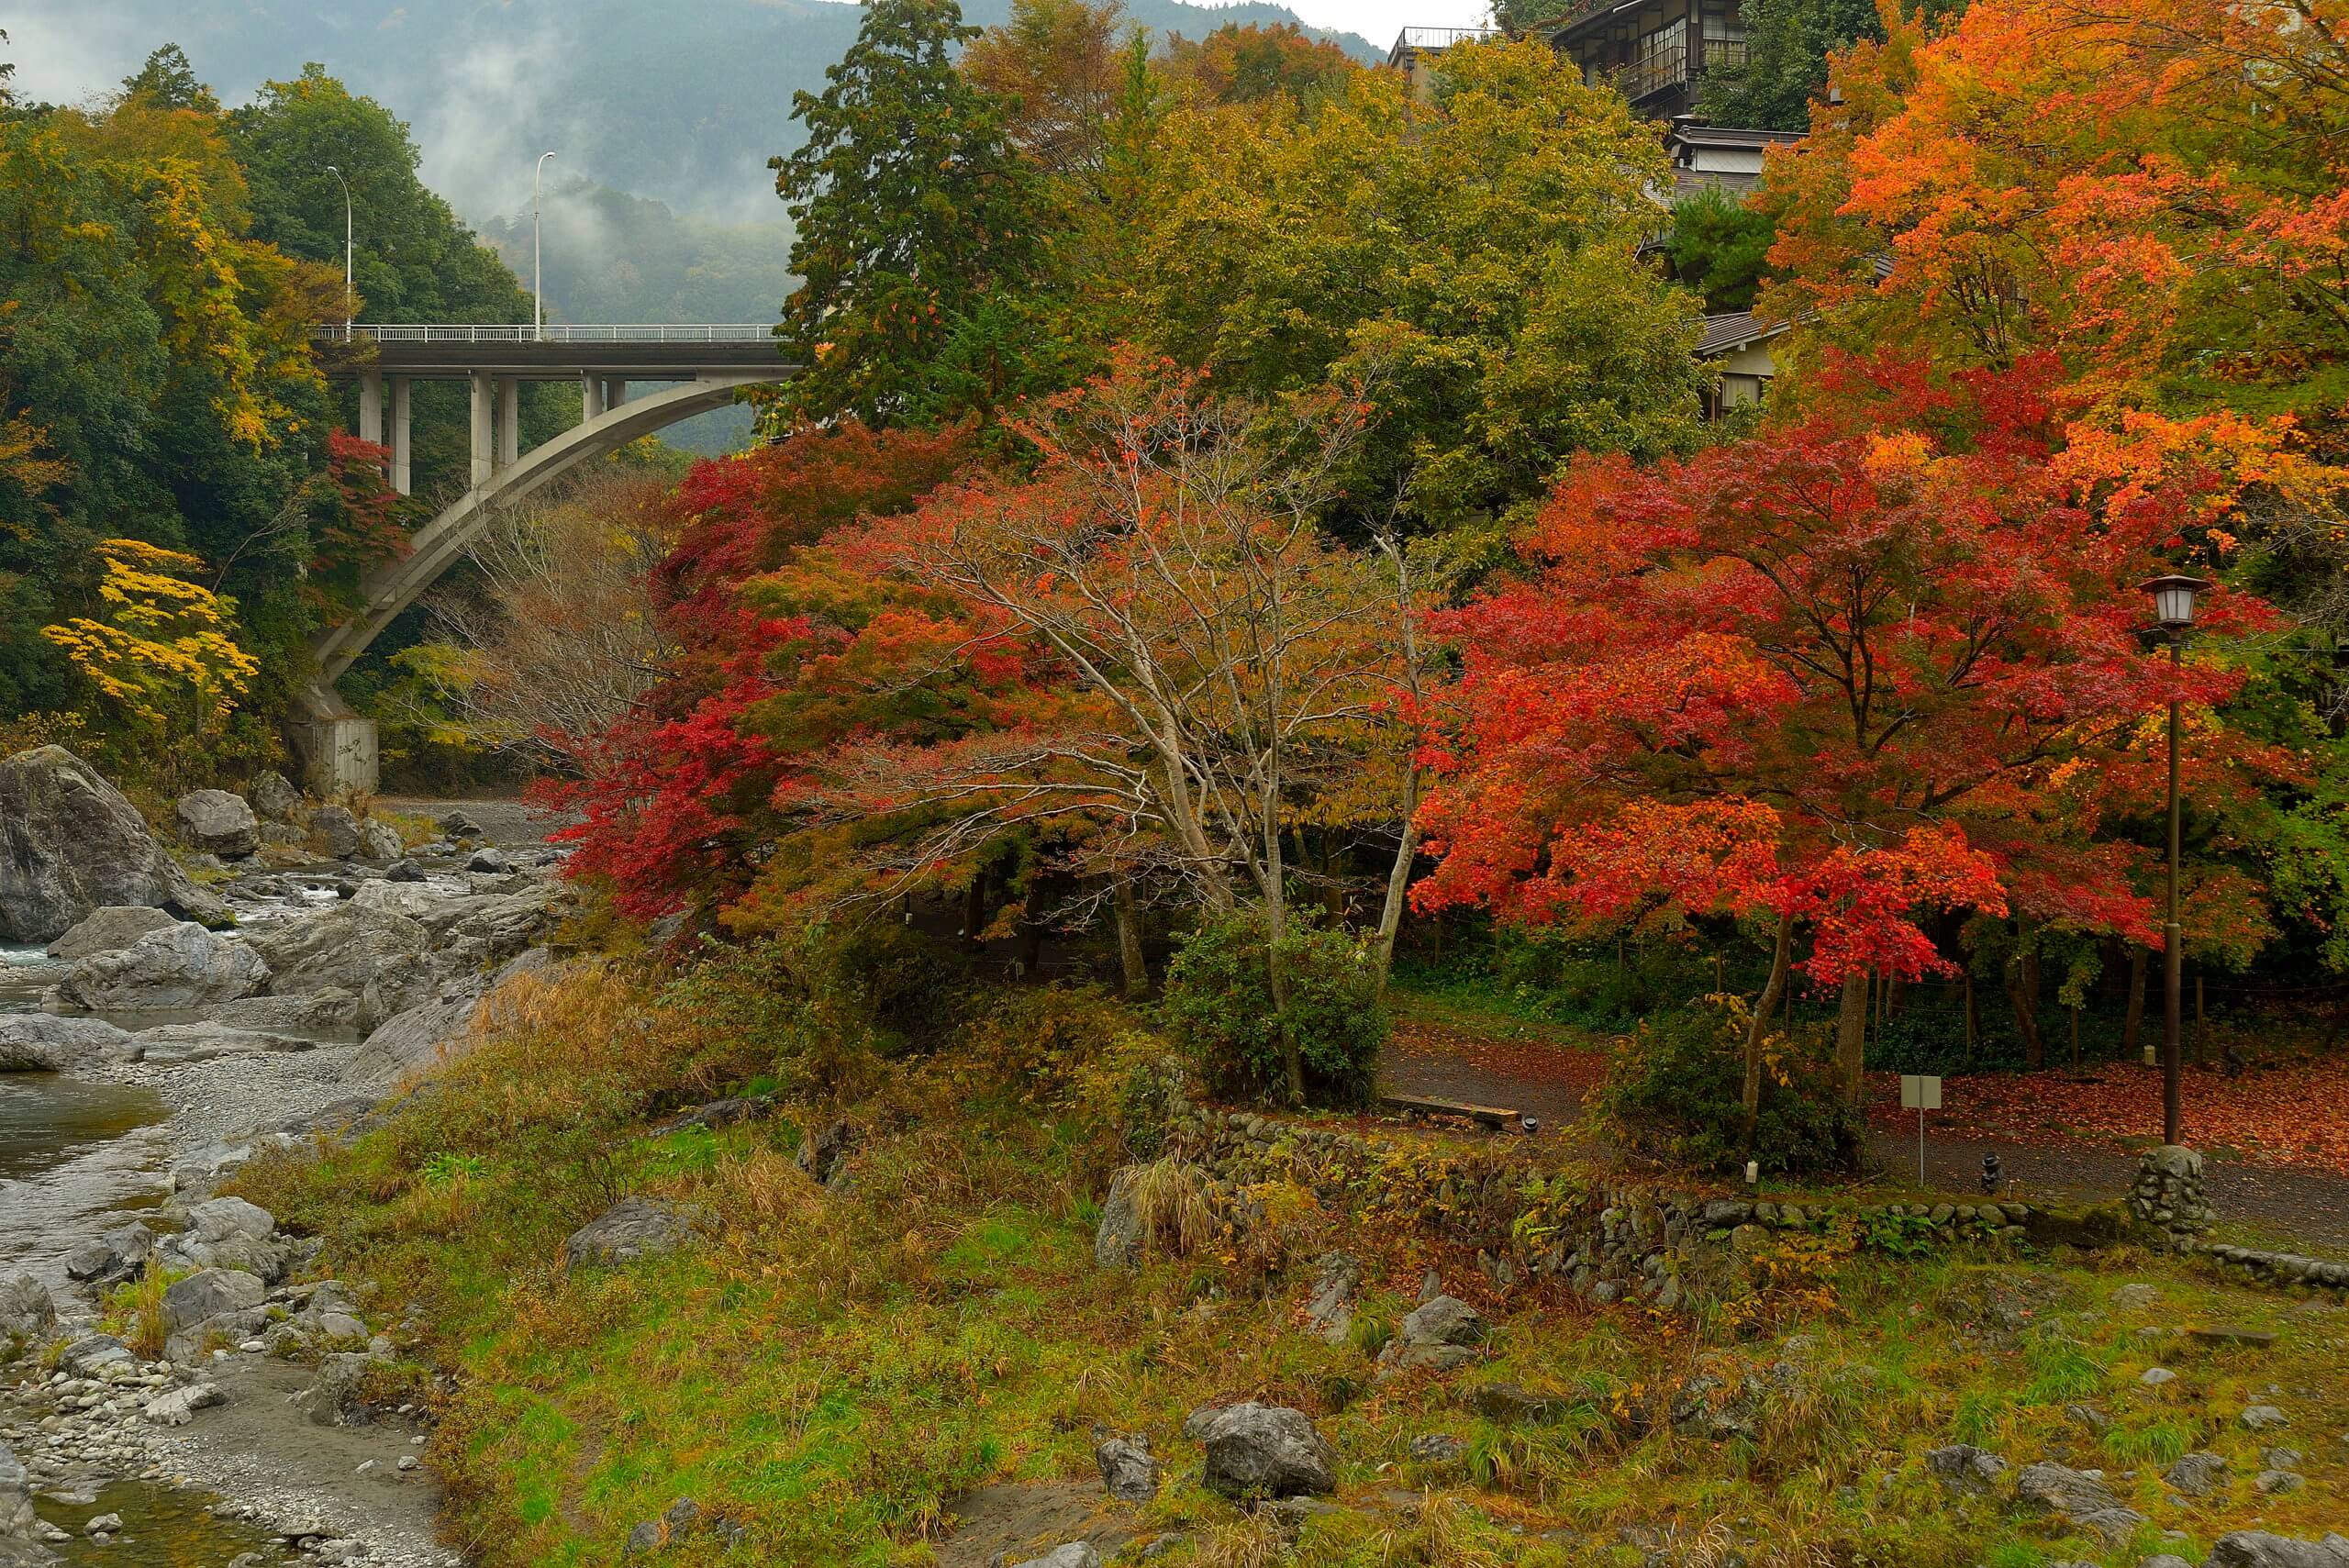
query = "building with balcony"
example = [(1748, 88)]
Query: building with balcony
[(1416, 49), (1652, 51)]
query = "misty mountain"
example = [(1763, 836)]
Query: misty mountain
[(681, 102)]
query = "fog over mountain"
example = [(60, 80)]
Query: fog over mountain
[(681, 104)]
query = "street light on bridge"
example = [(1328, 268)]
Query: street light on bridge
[(537, 279), (2174, 608), (346, 248)]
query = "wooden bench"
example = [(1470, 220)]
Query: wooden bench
[(1498, 1117)]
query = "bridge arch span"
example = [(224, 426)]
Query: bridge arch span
[(395, 585)]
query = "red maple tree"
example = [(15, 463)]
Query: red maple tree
[(1838, 677)]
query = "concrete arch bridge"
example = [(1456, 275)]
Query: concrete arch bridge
[(697, 368)]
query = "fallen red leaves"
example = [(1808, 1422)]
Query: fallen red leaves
[(2295, 1113)]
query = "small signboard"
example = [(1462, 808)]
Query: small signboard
[(1920, 1093)]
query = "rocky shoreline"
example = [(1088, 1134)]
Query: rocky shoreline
[(327, 960)]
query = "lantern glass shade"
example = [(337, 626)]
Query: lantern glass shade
[(2174, 598)]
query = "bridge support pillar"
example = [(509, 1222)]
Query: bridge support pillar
[(509, 421), (401, 480), (485, 438), (371, 408), (615, 392), (335, 744), (591, 397)]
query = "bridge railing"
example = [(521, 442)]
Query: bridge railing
[(496, 332)]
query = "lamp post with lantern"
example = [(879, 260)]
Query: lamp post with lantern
[(2174, 611)]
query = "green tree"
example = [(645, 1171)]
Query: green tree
[(415, 261), (1719, 247), (914, 209), (1468, 264), (1787, 43)]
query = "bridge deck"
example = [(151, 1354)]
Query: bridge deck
[(654, 353)]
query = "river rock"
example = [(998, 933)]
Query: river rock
[(330, 1010), (92, 1354), (109, 930), (457, 825), (215, 1219), (168, 1045), (2258, 1549), (44, 1042), (365, 951), (1440, 1334), (179, 1407), (2081, 1500), (192, 1301), (334, 832), (332, 1398), (1962, 1467), (215, 823), (631, 1229), (26, 1314), (1068, 1554), (17, 1521), (273, 797), (380, 841), (117, 1255), (70, 845), (2196, 1475), (181, 966), (1336, 1285), (1127, 1471), (412, 1042), (1117, 1239), (1266, 1451)]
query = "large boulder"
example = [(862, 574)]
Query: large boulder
[(17, 1521), (328, 1011), (216, 823), (273, 797), (1439, 1335), (1127, 1471), (413, 1042), (109, 930), (631, 1229), (1266, 1451), (1117, 1239), (334, 832), (175, 1043), (2257, 1548), (194, 1301), (380, 841), (333, 1397), (26, 1314), (114, 1256), (70, 844), (368, 953), (2080, 1500), (179, 966), (43, 1042)]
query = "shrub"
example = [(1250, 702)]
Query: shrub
[(1673, 1092), (1219, 1004)]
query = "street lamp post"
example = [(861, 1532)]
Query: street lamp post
[(346, 248), (2174, 608), (537, 279)]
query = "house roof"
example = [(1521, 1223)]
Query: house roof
[(1747, 138), (1734, 330)]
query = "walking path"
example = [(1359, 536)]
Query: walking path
[(1547, 1073)]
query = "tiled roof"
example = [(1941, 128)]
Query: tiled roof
[(1734, 330)]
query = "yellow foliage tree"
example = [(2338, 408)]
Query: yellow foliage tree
[(165, 654)]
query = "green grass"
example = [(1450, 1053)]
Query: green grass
[(831, 1368)]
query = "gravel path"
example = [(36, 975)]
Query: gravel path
[(1539, 1073)]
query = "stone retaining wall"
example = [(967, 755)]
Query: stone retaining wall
[(1623, 1240), (1611, 1240)]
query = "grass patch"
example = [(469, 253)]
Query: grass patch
[(831, 1367)]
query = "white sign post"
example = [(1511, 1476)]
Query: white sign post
[(1920, 1094)]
